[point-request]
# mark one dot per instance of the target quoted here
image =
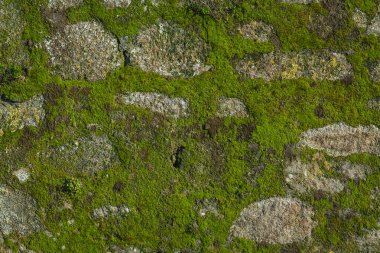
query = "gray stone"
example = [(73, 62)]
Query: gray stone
[(22, 175), (63, 4), (174, 107), (304, 177), (257, 31), (108, 211), (374, 26), (12, 49), (15, 116), (231, 107), (374, 72), (354, 171), (315, 65), (83, 51), (343, 140), (374, 104), (168, 50), (359, 18), (87, 154), (17, 213), (275, 221), (131, 249), (370, 243), (117, 3)]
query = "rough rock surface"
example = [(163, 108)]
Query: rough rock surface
[(359, 18), (257, 31), (354, 171), (12, 49), (16, 116), (105, 212), (168, 50), (231, 107), (374, 104), (83, 51), (87, 154), (63, 4), (275, 220), (277, 65), (370, 242), (22, 175), (374, 26), (343, 140), (305, 177), (174, 107), (374, 72), (117, 3), (17, 213)]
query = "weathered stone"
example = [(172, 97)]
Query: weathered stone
[(87, 154), (275, 220), (304, 177), (15, 116), (12, 49), (374, 26), (168, 50), (276, 65), (374, 72), (131, 249), (359, 18), (174, 107), (108, 211), (17, 213), (117, 3), (207, 207), (63, 4), (218, 9), (257, 31), (83, 51), (374, 104), (231, 107), (354, 171), (370, 242), (22, 175), (343, 140), (300, 1)]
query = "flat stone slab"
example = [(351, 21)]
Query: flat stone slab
[(15, 116), (17, 213), (257, 31), (232, 107), (167, 49), (275, 221), (156, 102), (343, 140), (63, 4), (304, 177), (83, 51), (314, 65)]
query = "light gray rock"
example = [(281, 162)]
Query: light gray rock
[(15, 116), (22, 175), (343, 140), (257, 31), (108, 211), (117, 3), (374, 72), (354, 171), (168, 50), (275, 221), (18, 213), (374, 104), (359, 18), (315, 65), (370, 243), (304, 177), (374, 26), (174, 107), (231, 107), (87, 154), (83, 51), (63, 4)]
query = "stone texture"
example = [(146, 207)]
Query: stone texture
[(359, 18), (374, 26), (108, 211), (22, 175), (370, 243), (374, 104), (117, 3), (83, 51), (354, 171), (374, 72), (174, 107), (257, 31), (63, 4), (12, 49), (17, 213), (343, 140), (15, 116), (275, 220), (231, 107), (304, 177), (315, 65), (87, 154), (168, 50)]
